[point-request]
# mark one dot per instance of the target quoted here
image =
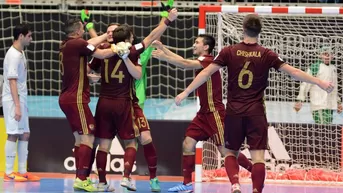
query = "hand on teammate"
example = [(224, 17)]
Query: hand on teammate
[(122, 49), (158, 54), (327, 86), (93, 78), (157, 44), (17, 113), (179, 98)]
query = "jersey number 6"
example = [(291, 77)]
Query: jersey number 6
[(245, 72)]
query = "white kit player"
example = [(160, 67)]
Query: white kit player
[(14, 100)]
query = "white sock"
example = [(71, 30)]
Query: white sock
[(22, 156), (10, 151)]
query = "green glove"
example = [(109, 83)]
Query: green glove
[(166, 8), (86, 19)]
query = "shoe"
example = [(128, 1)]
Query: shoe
[(29, 177), (14, 177), (126, 182), (155, 185), (85, 185), (236, 188), (102, 187), (182, 188)]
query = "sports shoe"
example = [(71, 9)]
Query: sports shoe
[(14, 177), (102, 187), (236, 188), (182, 188), (126, 182), (85, 185), (29, 177), (155, 185)]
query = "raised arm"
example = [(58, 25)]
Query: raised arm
[(197, 82), (165, 54), (303, 76)]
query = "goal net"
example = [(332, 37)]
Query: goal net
[(47, 20), (299, 149)]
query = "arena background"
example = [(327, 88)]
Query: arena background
[(51, 140)]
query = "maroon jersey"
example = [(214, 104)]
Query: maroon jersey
[(73, 61), (116, 80), (248, 69), (210, 94)]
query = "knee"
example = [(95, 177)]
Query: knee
[(77, 139), (145, 138), (131, 143), (87, 140), (223, 151), (230, 152), (105, 145), (257, 156), (12, 138), (24, 137), (188, 146)]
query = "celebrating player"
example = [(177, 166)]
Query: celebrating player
[(14, 100), (248, 67), (118, 111), (209, 121), (74, 97)]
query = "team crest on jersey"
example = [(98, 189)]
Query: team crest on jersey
[(91, 126), (201, 58)]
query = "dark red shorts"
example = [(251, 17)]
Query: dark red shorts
[(254, 128), (140, 119), (80, 117), (115, 116), (207, 125)]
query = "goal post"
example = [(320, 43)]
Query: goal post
[(297, 34)]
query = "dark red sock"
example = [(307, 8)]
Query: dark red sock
[(244, 162), (257, 176), (188, 162), (76, 153), (232, 169), (151, 159), (129, 160), (101, 161), (84, 159), (90, 167)]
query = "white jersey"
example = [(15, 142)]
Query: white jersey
[(15, 66), (320, 99)]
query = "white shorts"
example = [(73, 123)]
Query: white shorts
[(13, 126)]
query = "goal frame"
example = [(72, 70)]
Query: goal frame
[(294, 10)]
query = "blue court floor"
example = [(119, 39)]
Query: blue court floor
[(165, 109), (66, 185)]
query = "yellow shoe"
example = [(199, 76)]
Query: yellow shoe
[(14, 177), (85, 185), (29, 177)]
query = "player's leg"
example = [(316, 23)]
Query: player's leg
[(215, 129), (128, 131), (129, 159), (13, 132), (234, 137), (148, 147), (194, 133), (81, 120), (257, 139), (77, 142), (104, 133)]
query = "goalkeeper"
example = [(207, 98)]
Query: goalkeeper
[(322, 103)]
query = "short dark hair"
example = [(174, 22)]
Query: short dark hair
[(117, 24), (122, 33), (252, 25), (22, 28), (208, 40), (72, 25)]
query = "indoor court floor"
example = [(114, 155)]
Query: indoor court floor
[(62, 183)]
